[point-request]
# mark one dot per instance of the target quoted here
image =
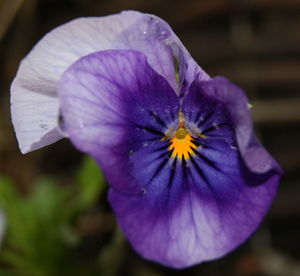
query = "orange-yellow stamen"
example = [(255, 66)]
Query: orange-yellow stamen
[(181, 144)]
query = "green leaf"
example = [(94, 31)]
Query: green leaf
[(90, 183), (41, 236), (20, 263), (14, 211), (37, 224)]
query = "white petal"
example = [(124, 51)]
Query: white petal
[(35, 118), (34, 89)]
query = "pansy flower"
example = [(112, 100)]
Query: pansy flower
[(188, 179)]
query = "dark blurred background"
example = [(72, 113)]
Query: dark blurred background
[(255, 43)]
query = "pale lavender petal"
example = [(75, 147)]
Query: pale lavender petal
[(35, 118), (41, 69)]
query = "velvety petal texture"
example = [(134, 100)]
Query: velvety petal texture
[(184, 185), (41, 70), (236, 102), (109, 103)]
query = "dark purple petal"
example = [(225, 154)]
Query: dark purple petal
[(255, 156), (175, 210), (202, 207), (109, 102), (228, 120), (35, 84)]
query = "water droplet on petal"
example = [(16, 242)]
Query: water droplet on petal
[(154, 29)]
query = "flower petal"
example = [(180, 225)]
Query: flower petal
[(116, 108), (254, 154), (200, 208), (35, 118), (194, 230), (109, 102), (39, 73)]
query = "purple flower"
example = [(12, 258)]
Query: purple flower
[(188, 179)]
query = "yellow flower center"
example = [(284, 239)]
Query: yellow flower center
[(181, 144)]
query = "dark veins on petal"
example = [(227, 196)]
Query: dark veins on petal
[(197, 150)]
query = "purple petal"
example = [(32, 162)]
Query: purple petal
[(256, 157), (109, 102), (195, 230), (201, 207), (177, 212), (40, 72)]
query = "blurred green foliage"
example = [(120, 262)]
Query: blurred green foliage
[(89, 183), (41, 237)]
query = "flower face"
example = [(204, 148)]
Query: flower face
[(188, 180)]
